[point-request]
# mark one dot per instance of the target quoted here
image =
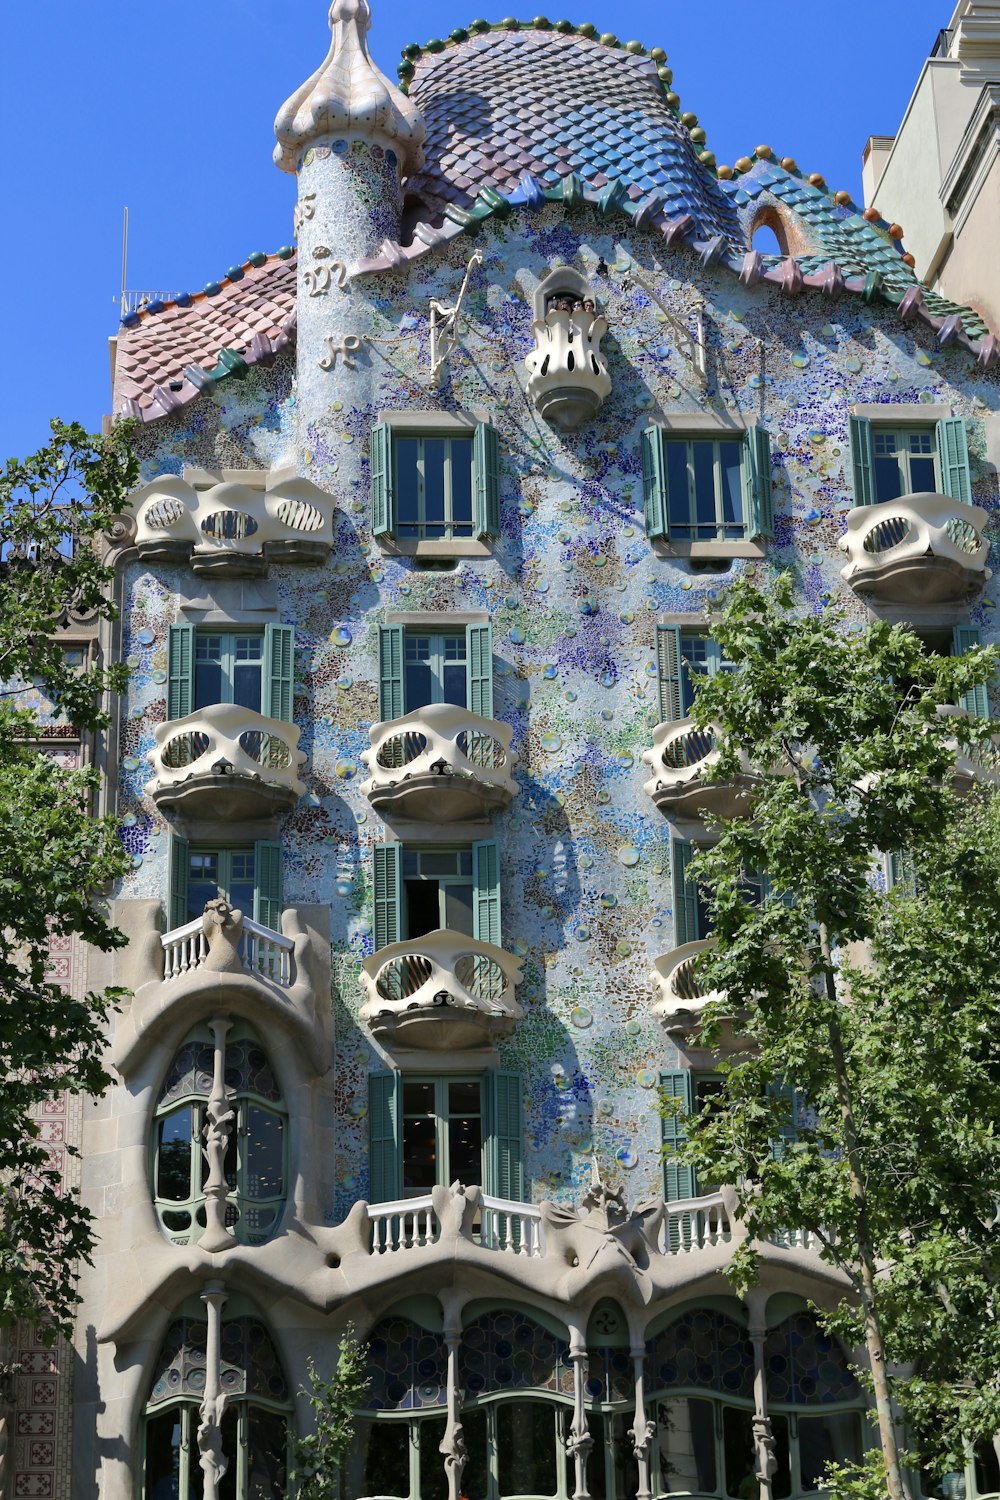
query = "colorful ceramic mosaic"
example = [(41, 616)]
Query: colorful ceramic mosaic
[(407, 1367), (706, 1350)]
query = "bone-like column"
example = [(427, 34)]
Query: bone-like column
[(211, 1457), (580, 1441), (643, 1428), (219, 1124), (765, 1458), (452, 1445)]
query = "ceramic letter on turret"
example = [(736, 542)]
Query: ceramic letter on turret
[(351, 137)]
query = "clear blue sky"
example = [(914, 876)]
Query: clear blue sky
[(168, 108)]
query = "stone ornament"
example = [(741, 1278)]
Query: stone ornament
[(568, 380), (920, 549), (441, 991), (348, 95), (225, 761)]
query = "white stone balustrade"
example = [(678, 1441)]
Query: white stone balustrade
[(233, 527), (692, 1223), (679, 758), (919, 549), (499, 1224), (440, 763), (225, 761), (442, 990), (568, 380), (259, 949), (683, 995)]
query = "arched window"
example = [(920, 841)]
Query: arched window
[(255, 1423), (610, 1394), (254, 1148), (396, 1452), (807, 1369)]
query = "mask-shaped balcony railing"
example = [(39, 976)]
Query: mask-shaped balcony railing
[(233, 528), (225, 761), (683, 993), (919, 549), (441, 991), (975, 765), (680, 756), (568, 380), (440, 763)]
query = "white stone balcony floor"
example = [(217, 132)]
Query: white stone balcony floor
[(225, 761), (919, 550), (442, 991), (440, 763)]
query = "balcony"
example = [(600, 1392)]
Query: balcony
[(920, 549), (975, 765), (256, 950), (680, 756), (439, 764), (683, 995), (440, 992), (225, 761), (233, 528)]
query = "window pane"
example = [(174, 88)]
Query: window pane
[(267, 1448), (247, 680), (407, 513), (686, 1446), (888, 480), (703, 455), (423, 908), (265, 1154), (208, 686), (465, 1148), (419, 1154), (439, 861), (463, 1098), (526, 1448), (677, 489), (474, 1475), (833, 1438), (163, 1456), (432, 1473), (922, 476), (418, 1098), (461, 486), (173, 1162), (987, 1469), (203, 881), (458, 908), (434, 473), (419, 681), (597, 1461), (387, 1459), (454, 685), (730, 462)]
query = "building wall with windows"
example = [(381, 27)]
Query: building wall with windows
[(414, 610)]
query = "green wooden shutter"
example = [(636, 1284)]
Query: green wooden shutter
[(391, 665), (788, 1132), (485, 480), (180, 864), (267, 894), (385, 1167), (685, 894), (953, 459), (388, 894), (486, 891), (504, 1136), (901, 872), (654, 483), (279, 671), (678, 1181), (479, 655), (383, 486), (180, 671), (668, 671), (862, 460), (976, 700), (759, 488)]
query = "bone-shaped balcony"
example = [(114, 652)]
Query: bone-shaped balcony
[(439, 763), (234, 528), (919, 549), (225, 761), (440, 991), (975, 765), (683, 994), (680, 756)]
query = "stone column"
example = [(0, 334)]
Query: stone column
[(580, 1441), (213, 1462), (765, 1459), (219, 1125), (452, 1445), (643, 1428)]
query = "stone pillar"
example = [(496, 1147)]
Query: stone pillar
[(579, 1442), (452, 1445), (765, 1459), (219, 1125), (212, 1460), (643, 1428)]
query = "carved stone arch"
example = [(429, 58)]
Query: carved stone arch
[(788, 231)]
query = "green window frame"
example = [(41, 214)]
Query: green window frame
[(683, 655), (259, 864), (391, 871), (252, 666), (890, 460), (501, 1122), (707, 488), (444, 651), (435, 486), (691, 920)]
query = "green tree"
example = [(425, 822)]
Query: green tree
[(863, 1105), (320, 1454), (55, 856)]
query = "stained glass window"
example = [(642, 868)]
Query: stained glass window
[(506, 1350), (805, 1366), (407, 1367), (702, 1348)]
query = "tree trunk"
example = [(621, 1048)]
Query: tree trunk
[(895, 1482)]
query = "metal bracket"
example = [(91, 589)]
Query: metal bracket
[(693, 349), (446, 324)]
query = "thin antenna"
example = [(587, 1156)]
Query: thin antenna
[(121, 305)]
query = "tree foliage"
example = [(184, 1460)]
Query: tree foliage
[(319, 1455), (55, 856), (862, 1104)]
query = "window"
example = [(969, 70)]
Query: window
[(437, 1130), (255, 1422), (253, 668), (254, 1167), (890, 461), (682, 658), (692, 921), (432, 486), (692, 1091), (248, 877), (707, 489), (419, 666), (418, 890)]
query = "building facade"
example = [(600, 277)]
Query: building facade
[(437, 506)]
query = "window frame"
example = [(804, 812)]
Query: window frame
[(904, 457), (756, 485), (276, 675), (268, 879), (229, 660), (441, 1083), (953, 473), (392, 427), (672, 678), (452, 528), (393, 663)]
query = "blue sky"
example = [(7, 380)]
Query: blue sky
[(168, 108)]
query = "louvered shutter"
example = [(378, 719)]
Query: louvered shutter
[(391, 664), (385, 1174), (267, 896), (953, 459), (976, 700), (485, 480), (180, 864), (788, 1132), (504, 1136), (654, 483), (759, 488), (678, 1181), (279, 671), (862, 460), (901, 873), (180, 671), (486, 891), (685, 894), (479, 655), (668, 671), (382, 481), (388, 872)]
